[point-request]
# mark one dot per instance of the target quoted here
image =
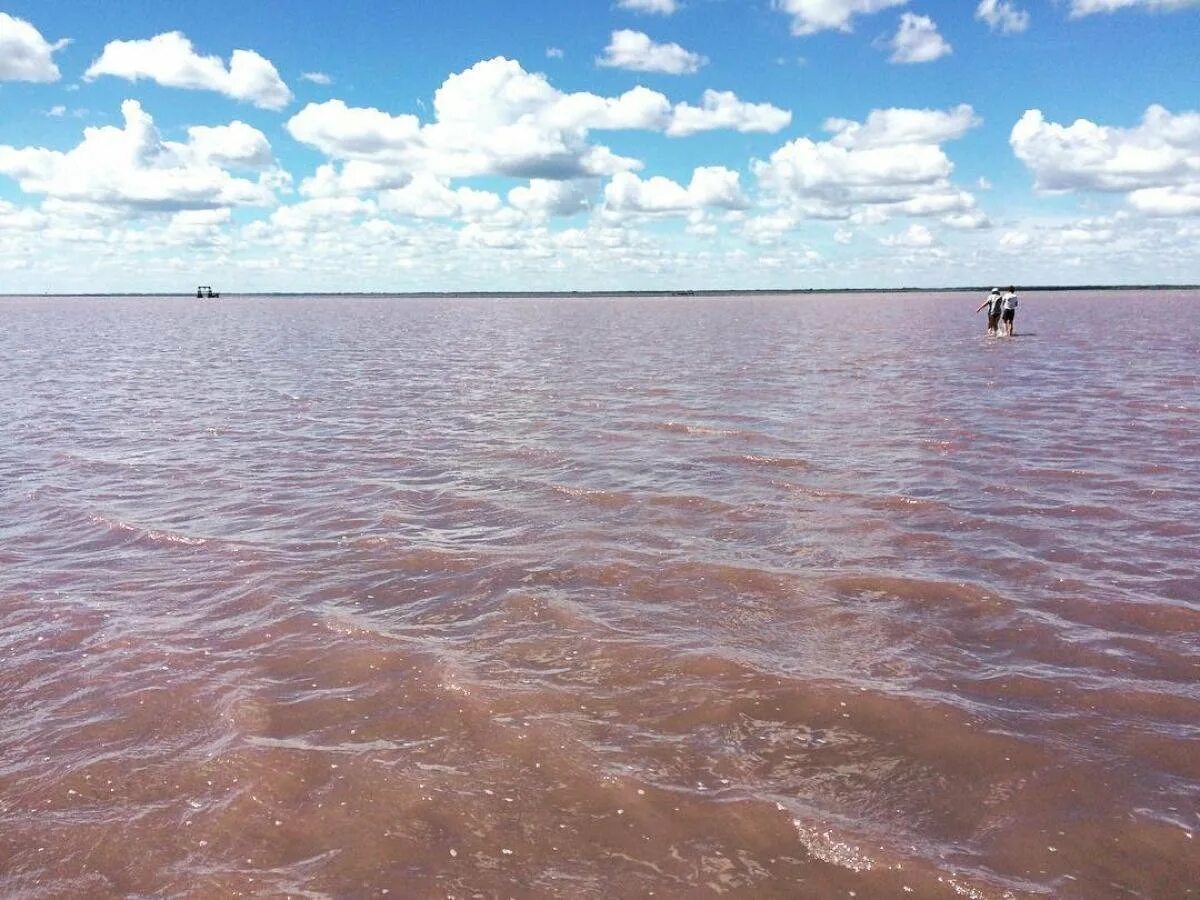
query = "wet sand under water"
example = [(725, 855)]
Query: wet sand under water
[(762, 597)]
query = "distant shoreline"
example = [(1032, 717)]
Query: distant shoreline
[(730, 292)]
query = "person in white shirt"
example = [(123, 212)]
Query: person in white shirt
[(1008, 309)]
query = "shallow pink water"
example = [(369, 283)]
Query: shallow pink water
[(759, 596)]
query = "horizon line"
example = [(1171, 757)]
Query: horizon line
[(663, 292)]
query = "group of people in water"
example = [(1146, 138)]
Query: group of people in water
[(1001, 310)]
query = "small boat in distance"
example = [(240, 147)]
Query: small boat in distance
[(204, 292)]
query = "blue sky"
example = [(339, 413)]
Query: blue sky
[(840, 143)]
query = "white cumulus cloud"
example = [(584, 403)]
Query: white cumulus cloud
[(134, 169), (24, 54), (890, 164), (711, 186), (914, 237), (1175, 201), (1156, 163), (317, 78), (170, 59), (497, 119), (1080, 8), (1002, 16), (657, 7), (236, 145), (542, 198), (354, 177), (723, 110), (429, 197), (636, 52), (918, 41), (316, 214), (811, 16), (892, 127)]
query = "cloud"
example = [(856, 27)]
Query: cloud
[(492, 119), (1156, 163), (811, 16), (913, 237), (169, 59), (497, 119), (1002, 16), (893, 127), (636, 52), (429, 197), (353, 132), (723, 110), (711, 186), (134, 169), (555, 53), (967, 221), (541, 198), (1015, 240), (1179, 201), (657, 7), (24, 54), (317, 78), (353, 178), (17, 219), (891, 164), (198, 227), (918, 41), (316, 214), (1081, 8), (236, 145)]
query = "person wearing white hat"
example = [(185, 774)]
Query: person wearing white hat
[(993, 303)]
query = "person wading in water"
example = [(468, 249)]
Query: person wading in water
[(993, 307), (1008, 309)]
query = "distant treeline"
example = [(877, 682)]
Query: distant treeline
[(698, 292)]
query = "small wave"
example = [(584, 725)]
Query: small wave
[(153, 535), (596, 496), (769, 462), (905, 503), (694, 503), (824, 846), (914, 590), (705, 431)]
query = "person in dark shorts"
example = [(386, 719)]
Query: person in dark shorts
[(993, 310), (1008, 309)]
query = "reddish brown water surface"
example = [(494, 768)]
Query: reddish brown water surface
[(769, 597)]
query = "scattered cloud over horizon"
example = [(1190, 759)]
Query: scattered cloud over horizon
[(498, 173), (170, 60)]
